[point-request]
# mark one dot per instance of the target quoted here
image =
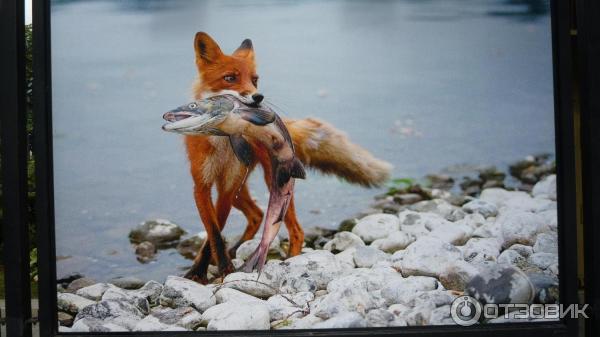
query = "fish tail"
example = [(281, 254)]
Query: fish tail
[(292, 169), (256, 260)]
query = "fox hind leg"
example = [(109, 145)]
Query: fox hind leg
[(214, 243), (294, 230)]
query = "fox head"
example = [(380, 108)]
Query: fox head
[(219, 73)]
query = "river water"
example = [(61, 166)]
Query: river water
[(422, 84)]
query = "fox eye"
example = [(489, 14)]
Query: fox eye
[(193, 105), (255, 81), (229, 78)]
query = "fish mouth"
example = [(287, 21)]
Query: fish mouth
[(176, 116), (178, 121), (186, 123)]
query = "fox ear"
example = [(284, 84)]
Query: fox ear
[(207, 50), (245, 49)]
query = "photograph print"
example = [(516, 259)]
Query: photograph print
[(269, 165)]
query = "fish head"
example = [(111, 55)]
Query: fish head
[(200, 117)]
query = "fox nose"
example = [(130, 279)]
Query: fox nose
[(257, 98)]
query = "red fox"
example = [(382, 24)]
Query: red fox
[(318, 145)]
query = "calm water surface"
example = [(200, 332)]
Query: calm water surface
[(422, 84)]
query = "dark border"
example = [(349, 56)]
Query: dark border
[(14, 168), (44, 171), (566, 204), (588, 47)]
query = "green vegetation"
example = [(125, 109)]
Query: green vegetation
[(400, 185), (30, 171)]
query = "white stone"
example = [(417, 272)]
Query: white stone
[(376, 226), (232, 295), (436, 206), (519, 227), (320, 265), (523, 250), (457, 274), (485, 208), (181, 292), (490, 229), (94, 292), (122, 295), (545, 188), (237, 316), (346, 258), (499, 196), (393, 242), (250, 283), (550, 219), (546, 243), (248, 247), (72, 303), (342, 301), (378, 318), (156, 231), (516, 200), (167, 318), (512, 257), (370, 279), (96, 325), (150, 291), (428, 257), (441, 316), (454, 233), (481, 249), (419, 315), (180, 319), (366, 257), (342, 241), (474, 220), (439, 297), (284, 306), (343, 321), (404, 290), (543, 260), (121, 313), (306, 322)]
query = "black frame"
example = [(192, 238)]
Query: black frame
[(14, 168), (13, 132), (588, 46)]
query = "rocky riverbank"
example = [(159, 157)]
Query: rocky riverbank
[(401, 262)]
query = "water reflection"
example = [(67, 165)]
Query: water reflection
[(523, 10)]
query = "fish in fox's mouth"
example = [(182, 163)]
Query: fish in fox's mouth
[(202, 116)]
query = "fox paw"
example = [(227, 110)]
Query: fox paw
[(226, 269), (194, 276), (232, 251)]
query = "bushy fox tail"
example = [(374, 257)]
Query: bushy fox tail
[(321, 146)]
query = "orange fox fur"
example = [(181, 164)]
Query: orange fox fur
[(212, 162)]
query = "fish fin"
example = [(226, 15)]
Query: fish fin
[(241, 149), (257, 116)]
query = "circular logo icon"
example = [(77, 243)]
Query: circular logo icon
[(465, 310)]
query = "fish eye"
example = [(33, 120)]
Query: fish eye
[(229, 78), (193, 105)]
